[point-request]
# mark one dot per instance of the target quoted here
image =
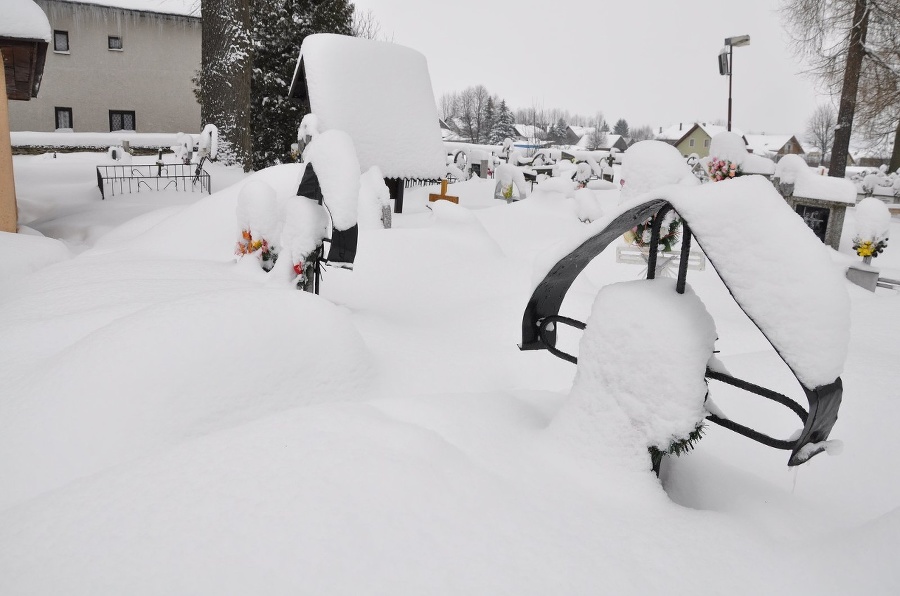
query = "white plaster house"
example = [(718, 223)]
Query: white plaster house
[(117, 65)]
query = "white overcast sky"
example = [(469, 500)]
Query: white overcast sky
[(648, 61)]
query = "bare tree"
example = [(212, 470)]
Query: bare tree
[(641, 133), (598, 136), (448, 105), (849, 44), (820, 128), (223, 83), (472, 112), (365, 25)]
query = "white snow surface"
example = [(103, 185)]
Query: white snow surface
[(23, 19), (333, 158), (649, 165), (380, 94), (172, 421)]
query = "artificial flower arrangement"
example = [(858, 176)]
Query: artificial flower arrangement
[(722, 169), (268, 254), (869, 247), (669, 232)]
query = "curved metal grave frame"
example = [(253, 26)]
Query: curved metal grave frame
[(542, 315)]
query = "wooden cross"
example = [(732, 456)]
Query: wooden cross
[(433, 197)]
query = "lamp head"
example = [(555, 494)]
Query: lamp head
[(738, 41)]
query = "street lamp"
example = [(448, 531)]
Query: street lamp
[(726, 58)]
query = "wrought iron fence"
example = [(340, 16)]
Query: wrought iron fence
[(167, 176)]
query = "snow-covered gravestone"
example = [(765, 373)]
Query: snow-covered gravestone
[(821, 201), (379, 94), (873, 223), (640, 382), (511, 183)]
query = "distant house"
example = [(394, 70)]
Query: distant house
[(583, 138), (117, 65), (529, 136), (774, 146), (692, 137)]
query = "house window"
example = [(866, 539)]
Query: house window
[(60, 41), (691, 142), (64, 118), (706, 143), (114, 42), (121, 120)]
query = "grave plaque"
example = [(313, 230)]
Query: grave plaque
[(816, 218)]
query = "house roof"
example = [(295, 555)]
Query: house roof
[(380, 94), (186, 8), (528, 130), (763, 144), (677, 132)]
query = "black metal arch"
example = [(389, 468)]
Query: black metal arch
[(541, 317)]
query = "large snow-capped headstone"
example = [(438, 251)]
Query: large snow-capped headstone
[(820, 200), (380, 94)]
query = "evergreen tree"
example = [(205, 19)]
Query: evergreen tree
[(279, 28), (558, 132), (621, 127), (490, 117), (505, 125)]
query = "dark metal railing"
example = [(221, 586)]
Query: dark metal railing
[(167, 176)]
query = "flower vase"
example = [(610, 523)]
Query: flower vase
[(867, 260)]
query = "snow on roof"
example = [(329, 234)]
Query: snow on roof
[(528, 130), (763, 144), (677, 131), (380, 94), (188, 8), (23, 19)]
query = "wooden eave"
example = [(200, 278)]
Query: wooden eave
[(23, 63)]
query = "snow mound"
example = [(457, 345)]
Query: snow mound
[(205, 361), (731, 146), (25, 253), (648, 165)]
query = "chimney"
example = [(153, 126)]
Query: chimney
[(660, 130), (679, 126)]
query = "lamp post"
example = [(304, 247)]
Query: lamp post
[(726, 57)]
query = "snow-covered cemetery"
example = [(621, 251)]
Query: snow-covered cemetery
[(375, 351)]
